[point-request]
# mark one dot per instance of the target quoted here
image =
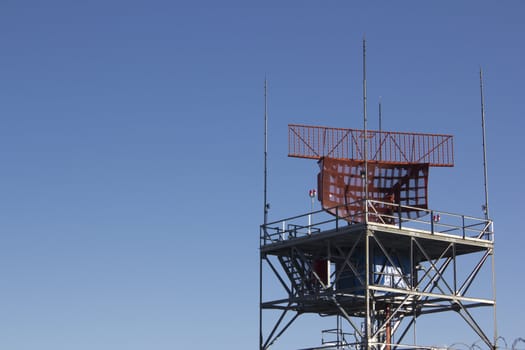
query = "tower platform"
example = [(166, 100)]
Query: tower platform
[(384, 267)]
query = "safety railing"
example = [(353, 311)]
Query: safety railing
[(379, 213), (336, 338)]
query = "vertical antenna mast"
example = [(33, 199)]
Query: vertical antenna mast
[(364, 123), (265, 153), (380, 129), (380, 116), (265, 213), (486, 205)]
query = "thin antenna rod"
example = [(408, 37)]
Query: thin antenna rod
[(266, 206), (368, 327), (486, 206), (380, 114), (380, 129), (265, 213), (364, 123)]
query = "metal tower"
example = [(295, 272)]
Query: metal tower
[(375, 258)]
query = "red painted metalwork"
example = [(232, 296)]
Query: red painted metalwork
[(397, 169), (341, 188), (322, 269), (315, 142)]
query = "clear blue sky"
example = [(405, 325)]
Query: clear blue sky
[(131, 151)]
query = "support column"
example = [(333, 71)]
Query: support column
[(368, 311)]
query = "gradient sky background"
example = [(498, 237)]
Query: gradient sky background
[(131, 152)]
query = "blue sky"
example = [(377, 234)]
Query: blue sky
[(131, 151)]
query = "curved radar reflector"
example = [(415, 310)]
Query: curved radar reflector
[(341, 189)]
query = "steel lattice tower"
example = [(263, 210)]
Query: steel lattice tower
[(375, 257)]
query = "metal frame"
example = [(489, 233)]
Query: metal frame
[(315, 142), (379, 314)]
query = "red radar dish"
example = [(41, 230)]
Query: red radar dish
[(397, 162)]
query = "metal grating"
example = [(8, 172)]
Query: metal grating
[(388, 147), (341, 185)]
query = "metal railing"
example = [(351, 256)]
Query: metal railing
[(379, 213), (336, 338)]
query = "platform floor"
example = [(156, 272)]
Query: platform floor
[(434, 244)]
